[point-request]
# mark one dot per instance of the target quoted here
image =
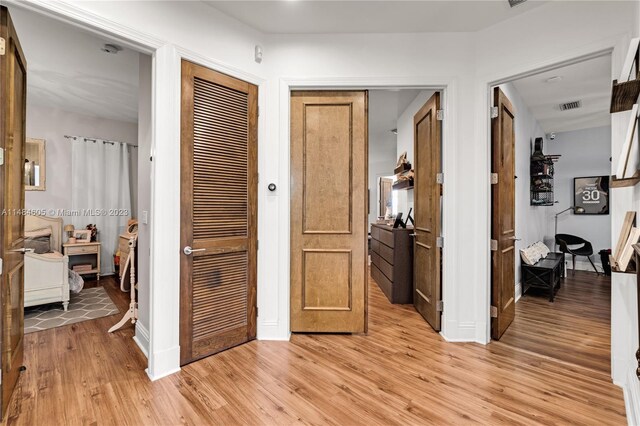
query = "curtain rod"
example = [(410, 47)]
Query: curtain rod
[(96, 140)]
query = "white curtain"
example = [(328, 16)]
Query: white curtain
[(101, 192)]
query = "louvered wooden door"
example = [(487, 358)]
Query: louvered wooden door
[(218, 212), (13, 93), (427, 267), (503, 219)]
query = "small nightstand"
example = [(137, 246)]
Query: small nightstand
[(84, 249)]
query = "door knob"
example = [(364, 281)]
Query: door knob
[(188, 250)]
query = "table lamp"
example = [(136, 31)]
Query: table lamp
[(69, 230)]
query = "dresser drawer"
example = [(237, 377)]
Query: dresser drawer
[(375, 246), (386, 237), (92, 249), (375, 233), (386, 253)]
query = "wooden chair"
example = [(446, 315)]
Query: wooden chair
[(564, 242)]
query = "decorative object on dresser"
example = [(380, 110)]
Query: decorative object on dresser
[(69, 230), (79, 252), (46, 275), (82, 236), (392, 262), (93, 229), (542, 170)]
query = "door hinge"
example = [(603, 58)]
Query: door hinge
[(257, 311), (494, 112), (1, 156), (440, 178), (494, 312), (258, 108), (2, 46), (440, 115), (440, 242), (494, 245), (494, 178), (440, 306), (258, 177), (257, 244)]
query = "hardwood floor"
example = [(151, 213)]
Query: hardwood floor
[(400, 373), (575, 328)]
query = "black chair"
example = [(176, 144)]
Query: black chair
[(564, 241)]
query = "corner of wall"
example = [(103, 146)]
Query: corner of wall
[(142, 338)]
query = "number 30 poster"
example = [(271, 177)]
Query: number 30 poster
[(591, 195)]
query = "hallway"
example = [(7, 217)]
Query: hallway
[(400, 373)]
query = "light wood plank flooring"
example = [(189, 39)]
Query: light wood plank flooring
[(400, 373)]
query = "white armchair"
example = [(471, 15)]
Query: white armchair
[(46, 276)]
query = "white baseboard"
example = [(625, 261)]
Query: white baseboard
[(631, 390), (272, 330), (584, 265), (459, 331), (163, 363), (142, 338)]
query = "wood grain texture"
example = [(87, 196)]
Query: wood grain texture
[(503, 214), (328, 211), (401, 373), (427, 266), (13, 101), (218, 212)]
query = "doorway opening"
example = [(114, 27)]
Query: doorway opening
[(85, 193), (377, 162), (551, 229)]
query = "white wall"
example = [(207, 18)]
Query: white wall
[(405, 143), (532, 222), (144, 200), (382, 143), (584, 153), (466, 63), (52, 125)]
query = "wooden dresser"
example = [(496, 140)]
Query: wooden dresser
[(392, 262)]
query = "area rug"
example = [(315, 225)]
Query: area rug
[(91, 303)]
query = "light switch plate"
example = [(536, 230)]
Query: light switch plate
[(145, 217)]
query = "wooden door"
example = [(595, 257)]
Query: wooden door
[(13, 88), (329, 211), (218, 212), (503, 306), (427, 193), (384, 194)]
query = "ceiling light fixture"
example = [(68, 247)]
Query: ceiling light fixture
[(513, 3), (554, 79), (112, 49)]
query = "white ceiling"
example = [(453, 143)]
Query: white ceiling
[(390, 16), (385, 106), (67, 70), (589, 82)]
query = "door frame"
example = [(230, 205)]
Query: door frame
[(615, 47), (448, 90), (161, 341)]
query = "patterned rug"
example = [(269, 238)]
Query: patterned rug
[(91, 303)]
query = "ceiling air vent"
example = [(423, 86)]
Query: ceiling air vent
[(570, 105), (513, 3)]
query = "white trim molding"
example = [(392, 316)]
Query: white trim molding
[(452, 329), (142, 338)]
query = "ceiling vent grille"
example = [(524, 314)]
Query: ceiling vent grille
[(513, 3), (570, 105)]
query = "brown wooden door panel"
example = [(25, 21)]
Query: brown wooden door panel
[(427, 212), (218, 212), (13, 88), (328, 211), (385, 189), (503, 215)]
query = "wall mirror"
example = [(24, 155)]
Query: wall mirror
[(34, 165)]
